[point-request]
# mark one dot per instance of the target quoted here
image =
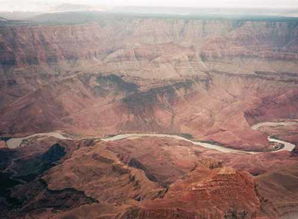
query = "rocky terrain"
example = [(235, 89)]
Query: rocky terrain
[(62, 77), (211, 80), (148, 177)]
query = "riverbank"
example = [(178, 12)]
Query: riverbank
[(13, 143)]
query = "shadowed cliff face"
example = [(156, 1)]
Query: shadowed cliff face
[(143, 106), (21, 181)]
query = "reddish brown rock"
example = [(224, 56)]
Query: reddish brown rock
[(101, 176), (278, 192), (206, 79), (218, 78), (204, 193)]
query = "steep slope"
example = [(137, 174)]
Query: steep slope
[(218, 107), (100, 175), (64, 177), (143, 178), (187, 198), (212, 79), (278, 190), (153, 46)]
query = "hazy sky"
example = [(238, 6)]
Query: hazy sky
[(45, 4)]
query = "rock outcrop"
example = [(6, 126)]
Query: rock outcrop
[(206, 194), (149, 177)]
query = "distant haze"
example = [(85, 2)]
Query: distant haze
[(44, 5)]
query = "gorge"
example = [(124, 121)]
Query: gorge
[(123, 114)]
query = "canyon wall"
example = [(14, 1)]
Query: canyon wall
[(133, 41), (212, 79)]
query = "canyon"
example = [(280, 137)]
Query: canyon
[(111, 91)]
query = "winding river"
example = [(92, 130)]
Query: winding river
[(16, 142), (273, 124)]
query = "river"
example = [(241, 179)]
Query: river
[(16, 142), (273, 124)]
